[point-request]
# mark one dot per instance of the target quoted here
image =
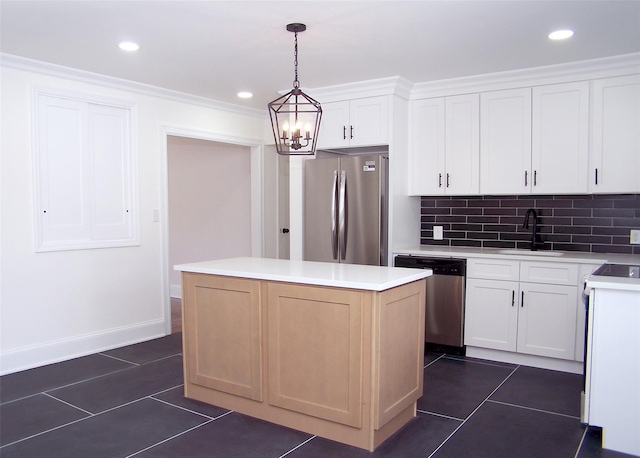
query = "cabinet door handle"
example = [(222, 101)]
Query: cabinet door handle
[(513, 297), (535, 177), (344, 132), (526, 177), (522, 300), (439, 180), (596, 176), (352, 132), (447, 180)]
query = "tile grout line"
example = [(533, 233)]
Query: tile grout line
[(90, 379), (47, 431), (474, 411), (298, 446), (584, 435), (168, 389), (431, 362), (483, 362), (170, 438), (533, 408), (119, 359), (145, 362), (69, 404), (92, 415), (68, 385), (189, 410), (108, 374), (436, 414)]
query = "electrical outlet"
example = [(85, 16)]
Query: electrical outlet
[(635, 237), (437, 233)]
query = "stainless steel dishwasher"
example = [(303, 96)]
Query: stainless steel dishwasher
[(444, 317)]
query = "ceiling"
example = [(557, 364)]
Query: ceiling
[(214, 49)]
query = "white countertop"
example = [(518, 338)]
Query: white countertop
[(526, 255), (617, 283), (371, 278)]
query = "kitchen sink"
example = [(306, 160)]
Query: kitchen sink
[(532, 253)]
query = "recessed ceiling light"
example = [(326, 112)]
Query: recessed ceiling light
[(561, 34), (128, 46), (245, 95)]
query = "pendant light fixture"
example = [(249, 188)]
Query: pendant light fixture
[(295, 117)]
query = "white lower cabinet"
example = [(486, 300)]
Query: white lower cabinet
[(527, 317), (491, 321), (547, 320)]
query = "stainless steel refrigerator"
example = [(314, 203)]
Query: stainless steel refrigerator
[(345, 206)]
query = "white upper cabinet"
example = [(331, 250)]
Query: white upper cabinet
[(559, 157), (426, 147), (505, 141), (333, 126), (615, 148), (535, 140), (359, 122), (445, 135)]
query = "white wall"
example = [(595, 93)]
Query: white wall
[(209, 202), (58, 305)]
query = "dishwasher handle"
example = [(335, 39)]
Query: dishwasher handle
[(440, 266)]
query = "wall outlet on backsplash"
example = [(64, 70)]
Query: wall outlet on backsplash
[(438, 235), (635, 237)]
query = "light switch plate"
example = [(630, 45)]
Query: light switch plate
[(635, 237), (437, 233)]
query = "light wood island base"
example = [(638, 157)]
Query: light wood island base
[(341, 363)]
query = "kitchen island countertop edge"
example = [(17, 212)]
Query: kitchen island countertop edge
[(371, 278)]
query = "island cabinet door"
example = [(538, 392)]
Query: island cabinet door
[(315, 348), (222, 334), (399, 350)]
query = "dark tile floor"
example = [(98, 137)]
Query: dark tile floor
[(128, 402)]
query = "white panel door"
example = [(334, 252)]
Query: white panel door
[(462, 146), (333, 126), (62, 206), (369, 121), (112, 183), (615, 150), (547, 320), (491, 314), (560, 137), (505, 142), (427, 147)]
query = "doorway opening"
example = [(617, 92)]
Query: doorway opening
[(213, 205)]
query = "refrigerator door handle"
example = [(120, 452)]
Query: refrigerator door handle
[(334, 215), (343, 211)]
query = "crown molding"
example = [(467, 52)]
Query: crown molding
[(606, 67), (394, 85), (625, 64), (48, 69)]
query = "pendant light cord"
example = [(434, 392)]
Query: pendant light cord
[(296, 83)]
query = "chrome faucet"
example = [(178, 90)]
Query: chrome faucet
[(534, 228)]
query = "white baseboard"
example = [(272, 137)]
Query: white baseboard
[(176, 291), (541, 362), (62, 350)]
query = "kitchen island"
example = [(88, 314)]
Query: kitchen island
[(335, 350)]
